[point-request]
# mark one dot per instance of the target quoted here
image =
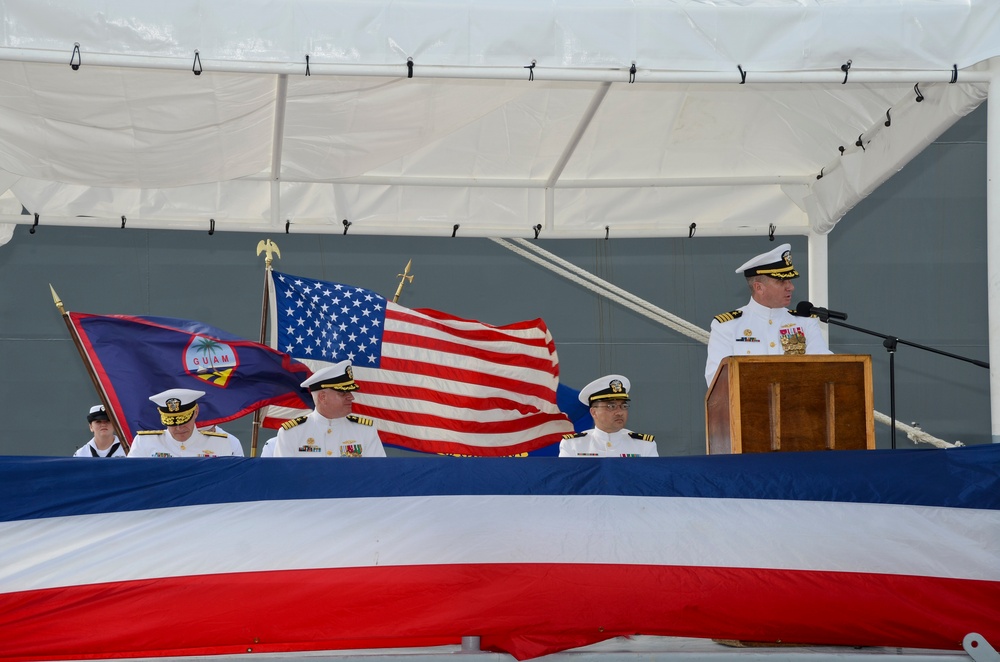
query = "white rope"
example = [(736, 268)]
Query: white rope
[(605, 289), (915, 434)]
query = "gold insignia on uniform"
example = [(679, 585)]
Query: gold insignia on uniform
[(639, 435), (360, 419), (616, 386), (747, 332), (174, 405), (287, 425), (729, 317), (793, 340), (311, 441), (349, 372)]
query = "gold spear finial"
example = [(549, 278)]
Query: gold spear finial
[(57, 300), (403, 277), (269, 247)]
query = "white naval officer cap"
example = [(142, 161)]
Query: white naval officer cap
[(775, 263), (97, 413), (609, 387), (339, 377), (176, 405)]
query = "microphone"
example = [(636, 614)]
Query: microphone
[(805, 308)]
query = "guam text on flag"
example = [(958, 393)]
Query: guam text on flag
[(136, 357), (432, 382)]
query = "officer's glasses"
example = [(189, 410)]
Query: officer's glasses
[(614, 407)]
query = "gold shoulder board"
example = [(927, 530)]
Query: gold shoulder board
[(360, 419), (150, 431), (292, 423), (729, 317), (638, 435), (574, 435), (214, 434)]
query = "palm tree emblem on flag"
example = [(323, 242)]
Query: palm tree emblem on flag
[(210, 360)]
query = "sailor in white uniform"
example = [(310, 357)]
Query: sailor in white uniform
[(178, 409), (234, 441), (765, 325), (330, 430), (608, 398), (104, 443)]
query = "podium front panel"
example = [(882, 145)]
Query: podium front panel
[(759, 404)]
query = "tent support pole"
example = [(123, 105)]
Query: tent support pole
[(993, 241), (819, 273)]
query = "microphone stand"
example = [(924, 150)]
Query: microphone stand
[(890, 342)]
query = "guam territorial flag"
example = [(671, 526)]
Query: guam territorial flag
[(136, 357)]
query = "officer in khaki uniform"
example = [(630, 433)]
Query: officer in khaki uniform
[(609, 401), (330, 430), (178, 409), (765, 325)]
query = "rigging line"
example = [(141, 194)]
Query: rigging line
[(609, 291), (569, 271), (664, 317), (913, 434)]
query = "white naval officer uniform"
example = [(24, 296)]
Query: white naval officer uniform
[(315, 435), (236, 444), (605, 391), (160, 443), (90, 449), (756, 330), (597, 443)]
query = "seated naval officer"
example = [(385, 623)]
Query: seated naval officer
[(765, 325), (178, 409), (104, 443), (330, 430), (609, 401)]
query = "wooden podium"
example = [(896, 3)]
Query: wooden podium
[(759, 404)]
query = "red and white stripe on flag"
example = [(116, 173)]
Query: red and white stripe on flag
[(433, 382)]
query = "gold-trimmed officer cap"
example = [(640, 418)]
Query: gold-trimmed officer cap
[(339, 377), (97, 413), (775, 263), (609, 387), (176, 405)]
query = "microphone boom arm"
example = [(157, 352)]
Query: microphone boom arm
[(894, 339)]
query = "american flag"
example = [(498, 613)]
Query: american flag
[(432, 382)]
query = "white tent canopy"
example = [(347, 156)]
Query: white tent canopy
[(498, 118), (476, 138)]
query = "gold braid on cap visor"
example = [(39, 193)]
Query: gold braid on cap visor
[(784, 272), (177, 418), (340, 386), (610, 396)]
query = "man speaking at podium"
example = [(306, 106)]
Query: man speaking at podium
[(765, 325)]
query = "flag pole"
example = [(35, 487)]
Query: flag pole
[(403, 277), (126, 443), (269, 248)]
